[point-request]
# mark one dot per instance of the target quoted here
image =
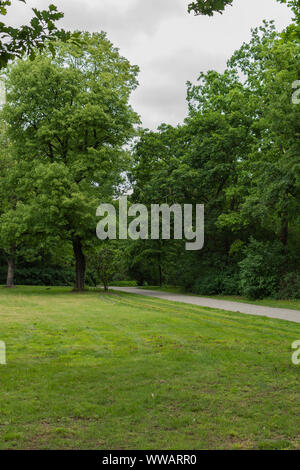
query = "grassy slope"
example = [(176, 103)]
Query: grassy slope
[(119, 371), (292, 304)]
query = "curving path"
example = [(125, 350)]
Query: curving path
[(259, 310)]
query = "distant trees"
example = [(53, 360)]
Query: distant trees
[(273, 190), (105, 260), (238, 153), (23, 233)]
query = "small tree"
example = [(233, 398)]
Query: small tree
[(105, 262)]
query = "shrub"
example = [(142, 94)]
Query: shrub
[(44, 276), (40, 276), (261, 270), (222, 279), (289, 286)]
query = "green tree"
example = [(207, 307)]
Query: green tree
[(272, 197), (157, 178), (208, 7), (70, 116), (106, 262), (238, 153)]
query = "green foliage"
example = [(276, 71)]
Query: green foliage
[(144, 262), (289, 287), (216, 275), (16, 42), (209, 7), (261, 270), (69, 119), (41, 276), (128, 283), (214, 282), (105, 262), (238, 153), (64, 150)]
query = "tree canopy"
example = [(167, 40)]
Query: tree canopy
[(238, 153)]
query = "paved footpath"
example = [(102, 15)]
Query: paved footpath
[(259, 310)]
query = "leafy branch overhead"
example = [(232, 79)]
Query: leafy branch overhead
[(209, 7), (27, 39)]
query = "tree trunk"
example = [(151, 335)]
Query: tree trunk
[(160, 243), (10, 269), (159, 270), (80, 264), (284, 234), (160, 276), (105, 284)]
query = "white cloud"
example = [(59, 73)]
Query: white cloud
[(168, 44)]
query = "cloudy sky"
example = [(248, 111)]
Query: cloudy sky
[(169, 45)]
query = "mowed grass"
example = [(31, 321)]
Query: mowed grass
[(115, 371)]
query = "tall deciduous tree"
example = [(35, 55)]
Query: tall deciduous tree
[(71, 117), (238, 153)]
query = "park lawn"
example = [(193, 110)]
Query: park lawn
[(291, 304), (115, 371)]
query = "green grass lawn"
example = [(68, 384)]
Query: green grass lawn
[(114, 371), (292, 304)]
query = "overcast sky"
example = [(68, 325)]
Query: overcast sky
[(169, 45)]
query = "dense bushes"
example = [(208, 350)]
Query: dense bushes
[(40, 276), (289, 287), (216, 281), (44, 276), (262, 269)]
